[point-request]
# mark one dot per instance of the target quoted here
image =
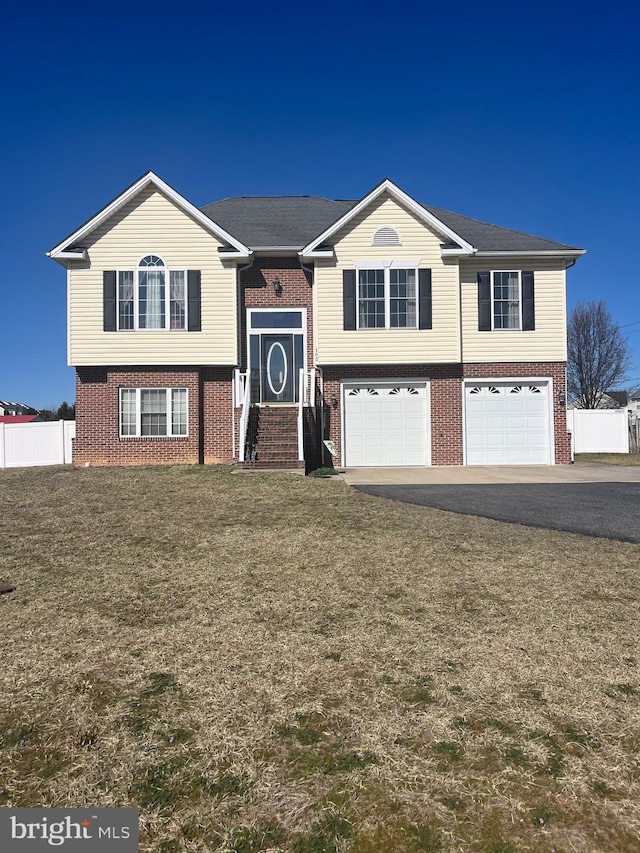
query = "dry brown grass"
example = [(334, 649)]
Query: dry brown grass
[(610, 458), (279, 663)]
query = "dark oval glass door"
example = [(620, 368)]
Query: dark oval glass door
[(277, 374)]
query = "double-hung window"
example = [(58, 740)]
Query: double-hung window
[(152, 297), (153, 412), (387, 298), (506, 300)]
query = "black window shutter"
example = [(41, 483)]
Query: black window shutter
[(349, 299), (528, 304), (425, 320), (109, 300), (484, 301), (194, 312)]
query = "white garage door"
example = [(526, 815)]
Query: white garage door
[(507, 423), (385, 424)]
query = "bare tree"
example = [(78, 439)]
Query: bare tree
[(598, 354)]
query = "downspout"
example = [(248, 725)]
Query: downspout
[(567, 266), (239, 271)]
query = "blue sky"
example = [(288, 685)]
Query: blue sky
[(525, 116)]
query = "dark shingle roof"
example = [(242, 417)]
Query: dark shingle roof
[(288, 220), (297, 220), (619, 397), (493, 238)]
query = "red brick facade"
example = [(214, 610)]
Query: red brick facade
[(257, 291), (210, 416), (447, 429), (211, 413)]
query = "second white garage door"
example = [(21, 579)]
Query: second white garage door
[(507, 423), (385, 424)]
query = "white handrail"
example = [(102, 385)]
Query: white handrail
[(301, 384), (312, 387), (244, 417)]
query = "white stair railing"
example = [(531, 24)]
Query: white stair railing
[(301, 396), (311, 398), (245, 391)]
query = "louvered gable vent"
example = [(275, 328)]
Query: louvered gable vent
[(386, 236)]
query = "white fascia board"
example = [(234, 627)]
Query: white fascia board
[(403, 198), (133, 190), (316, 254), (231, 256), (71, 256), (276, 248), (275, 251), (456, 253), (556, 253)]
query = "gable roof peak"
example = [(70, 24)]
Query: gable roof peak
[(61, 251), (387, 185)]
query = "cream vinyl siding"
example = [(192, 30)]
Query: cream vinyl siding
[(386, 346), (549, 340), (152, 224)]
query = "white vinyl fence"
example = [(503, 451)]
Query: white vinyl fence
[(598, 430), (47, 443)]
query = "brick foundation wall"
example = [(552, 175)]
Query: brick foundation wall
[(217, 414), (446, 400), (210, 414)]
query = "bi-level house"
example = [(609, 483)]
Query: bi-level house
[(254, 329)]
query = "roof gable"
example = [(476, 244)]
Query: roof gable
[(395, 192), (63, 249)]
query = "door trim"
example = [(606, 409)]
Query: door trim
[(289, 330)]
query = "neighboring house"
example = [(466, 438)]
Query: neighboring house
[(16, 413), (18, 419), (609, 400), (615, 400), (634, 403), (255, 327)]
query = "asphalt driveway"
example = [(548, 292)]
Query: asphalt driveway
[(607, 509), (611, 510)]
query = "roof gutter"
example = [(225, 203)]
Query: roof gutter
[(555, 253), (276, 251)]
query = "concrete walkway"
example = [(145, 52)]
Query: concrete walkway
[(580, 472)]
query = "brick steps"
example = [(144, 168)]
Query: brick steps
[(276, 439), (268, 466)]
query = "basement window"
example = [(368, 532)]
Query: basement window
[(153, 412)]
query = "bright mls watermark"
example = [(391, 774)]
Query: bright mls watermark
[(79, 830)]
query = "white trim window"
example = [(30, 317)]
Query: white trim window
[(152, 297), (506, 299), (153, 412), (387, 298)]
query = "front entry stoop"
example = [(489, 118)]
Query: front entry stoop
[(272, 438)]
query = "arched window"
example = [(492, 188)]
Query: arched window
[(151, 296), (151, 293), (386, 236)]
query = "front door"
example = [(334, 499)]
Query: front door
[(277, 375), (275, 353)]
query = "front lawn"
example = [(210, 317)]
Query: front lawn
[(610, 458), (268, 662)]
